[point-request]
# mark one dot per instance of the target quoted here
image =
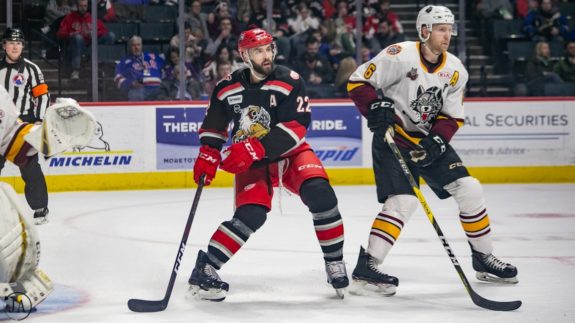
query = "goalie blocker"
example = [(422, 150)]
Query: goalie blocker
[(21, 281)]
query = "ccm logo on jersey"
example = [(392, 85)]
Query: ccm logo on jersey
[(235, 99), (306, 166)]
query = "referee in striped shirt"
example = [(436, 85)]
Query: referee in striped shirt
[(25, 83)]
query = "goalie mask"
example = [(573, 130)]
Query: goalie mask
[(430, 15), (251, 39)]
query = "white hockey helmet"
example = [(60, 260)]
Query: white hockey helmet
[(430, 15)]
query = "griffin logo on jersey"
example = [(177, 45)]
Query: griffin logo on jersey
[(254, 122), (427, 104)]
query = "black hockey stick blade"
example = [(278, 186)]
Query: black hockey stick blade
[(144, 306), (141, 305), (493, 305)]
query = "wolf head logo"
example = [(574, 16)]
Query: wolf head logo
[(427, 104)]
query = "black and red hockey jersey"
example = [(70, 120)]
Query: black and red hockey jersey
[(275, 110)]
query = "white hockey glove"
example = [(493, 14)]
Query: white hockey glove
[(66, 125)]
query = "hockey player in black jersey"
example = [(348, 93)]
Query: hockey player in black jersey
[(271, 112)]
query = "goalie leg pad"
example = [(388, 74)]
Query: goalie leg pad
[(468, 194), (388, 224)]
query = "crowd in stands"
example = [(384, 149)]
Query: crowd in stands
[(545, 29), (316, 38)]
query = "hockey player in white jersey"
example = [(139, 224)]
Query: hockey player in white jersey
[(422, 89), (65, 125)]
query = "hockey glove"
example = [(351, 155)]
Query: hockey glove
[(240, 156), (380, 115), (207, 163), (428, 150)]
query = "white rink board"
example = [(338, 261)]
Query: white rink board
[(497, 133), (517, 134)]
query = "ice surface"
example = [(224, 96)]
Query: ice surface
[(103, 248)]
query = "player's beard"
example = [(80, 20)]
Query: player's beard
[(262, 70)]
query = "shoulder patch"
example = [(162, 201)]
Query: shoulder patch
[(294, 75), (393, 50)]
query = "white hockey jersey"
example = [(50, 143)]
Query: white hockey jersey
[(421, 97)]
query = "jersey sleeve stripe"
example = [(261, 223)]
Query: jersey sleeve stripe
[(296, 130), (279, 86), (40, 89), (353, 85), (18, 142), (213, 133), (229, 90)]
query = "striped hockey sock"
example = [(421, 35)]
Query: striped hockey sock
[(329, 231)]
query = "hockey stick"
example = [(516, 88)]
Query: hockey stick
[(141, 305), (476, 298)]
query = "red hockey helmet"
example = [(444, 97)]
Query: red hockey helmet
[(254, 38)]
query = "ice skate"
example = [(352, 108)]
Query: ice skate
[(337, 276), (205, 283), (490, 269), (367, 279)]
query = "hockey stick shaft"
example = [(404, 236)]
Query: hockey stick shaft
[(138, 305), (477, 299)]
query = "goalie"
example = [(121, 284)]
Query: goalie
[(65, 125)]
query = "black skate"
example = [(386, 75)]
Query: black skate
[(337, 276), (205, 283), (490, 269), (367, 278), (41, 216)]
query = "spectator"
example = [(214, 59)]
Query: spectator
[(539, 70), (193, 77), (224, 68), (279, 27), (384, 37), (75, 29), (315, 70), (192, 49), (303, 21), (225, 36), (547, 23), (223, 55), (56, 10), (345, 27), (106, 10), (197, 19), (222, 11), (139, 73), (170, 88), (382, 13), (565, 68)]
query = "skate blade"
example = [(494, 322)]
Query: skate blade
[(340, 292), (212, 294), (487, 277), (364, 288)]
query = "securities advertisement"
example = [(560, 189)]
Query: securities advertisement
[(517, 134), (335, 135)]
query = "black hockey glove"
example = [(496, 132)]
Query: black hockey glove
[(428, 150), (380, 115)]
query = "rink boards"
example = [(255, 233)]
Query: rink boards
[(154, 145)]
